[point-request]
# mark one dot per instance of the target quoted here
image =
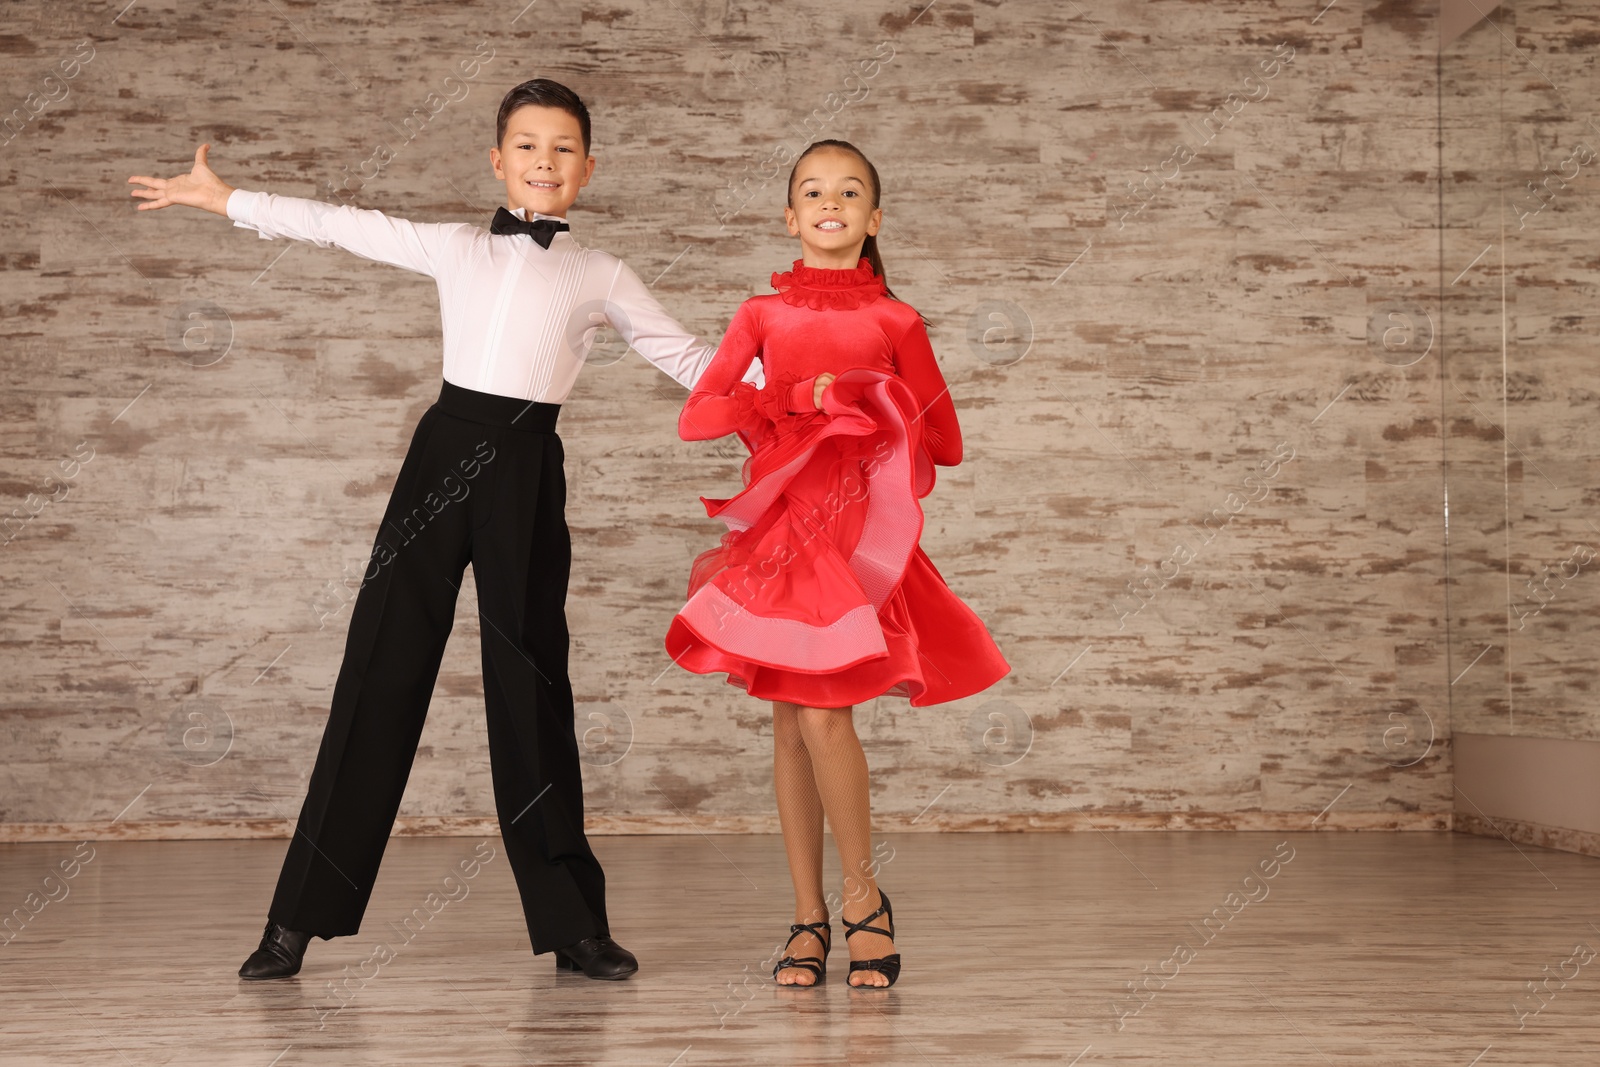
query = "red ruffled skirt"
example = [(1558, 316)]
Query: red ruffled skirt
[(819, 593)]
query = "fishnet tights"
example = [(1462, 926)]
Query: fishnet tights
[(818, 768)]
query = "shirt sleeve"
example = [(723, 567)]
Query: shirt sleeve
[(635, 313), (423, 247), (650, 329), (917, 366), (724, 400)]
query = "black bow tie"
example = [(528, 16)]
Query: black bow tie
[(541, 230)]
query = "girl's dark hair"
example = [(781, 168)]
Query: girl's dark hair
[(542, 92), (869, 247)]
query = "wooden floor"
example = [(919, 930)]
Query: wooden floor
[(1410, 949)]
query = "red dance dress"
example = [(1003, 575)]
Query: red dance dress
[(819, 593)]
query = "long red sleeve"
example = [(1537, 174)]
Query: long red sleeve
[(721, 402), (917, 366)]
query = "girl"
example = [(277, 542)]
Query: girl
[(819, 596)]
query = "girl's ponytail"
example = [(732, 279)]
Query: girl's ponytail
[(869, 251)]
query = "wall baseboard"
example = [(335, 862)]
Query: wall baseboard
[(1530, 833), (1542, 791), (623, 825)]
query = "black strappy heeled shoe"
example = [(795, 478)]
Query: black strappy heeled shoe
[(888, 965), (817, 965)]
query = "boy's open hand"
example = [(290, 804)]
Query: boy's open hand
[(199, 188)]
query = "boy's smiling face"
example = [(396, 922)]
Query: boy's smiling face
[(542, 160)]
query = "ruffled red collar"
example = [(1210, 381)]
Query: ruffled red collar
[(825, 287)]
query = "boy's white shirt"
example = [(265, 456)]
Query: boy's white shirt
[(518, 318)]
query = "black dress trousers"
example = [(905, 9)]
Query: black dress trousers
[(482, 482)]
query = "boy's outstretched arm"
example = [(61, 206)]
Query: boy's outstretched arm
[(423, 247), (650, 330)]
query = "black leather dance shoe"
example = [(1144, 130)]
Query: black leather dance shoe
[(888, 966), (817, 965), (597, 957), (279, 955)]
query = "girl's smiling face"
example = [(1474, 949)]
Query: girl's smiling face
[(831, 208), (542, 160)]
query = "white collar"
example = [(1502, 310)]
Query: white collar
[(522, 213)]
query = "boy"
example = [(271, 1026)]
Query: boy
[(521, 305)]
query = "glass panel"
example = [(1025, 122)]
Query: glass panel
[(1520, 203)]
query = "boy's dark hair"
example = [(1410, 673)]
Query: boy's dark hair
[(542, 92)]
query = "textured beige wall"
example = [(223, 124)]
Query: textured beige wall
[(1190, 647)]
